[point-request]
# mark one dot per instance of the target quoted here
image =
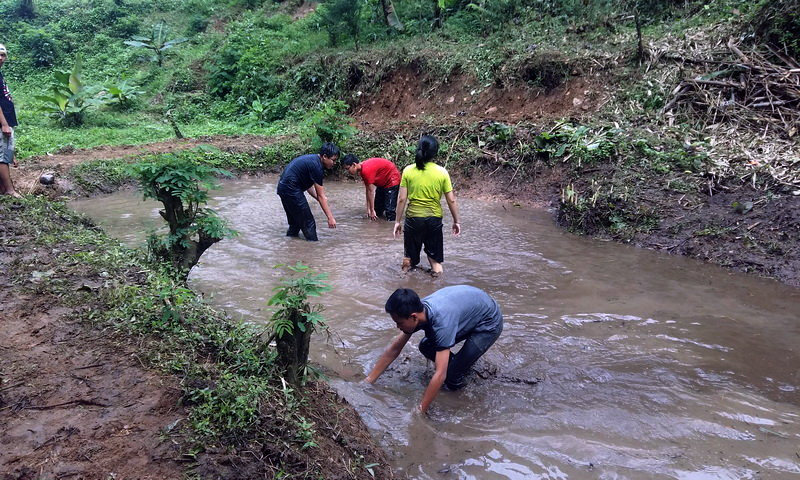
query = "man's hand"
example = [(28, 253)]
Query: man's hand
[(456, 229), (14, 162), (6, 130), (331, 222), (372, 215), (398, 228)]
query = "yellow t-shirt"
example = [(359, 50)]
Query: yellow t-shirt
[(425, 189)]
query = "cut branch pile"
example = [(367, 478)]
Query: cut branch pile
[(748, 102), (743, 89)]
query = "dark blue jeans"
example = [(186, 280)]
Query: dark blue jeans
[(475, 345), (386, 202), (299, 215)]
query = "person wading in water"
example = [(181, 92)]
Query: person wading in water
[(381, 184), (460, 313), (305, 173), (422, 186)]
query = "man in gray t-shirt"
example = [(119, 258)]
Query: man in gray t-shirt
[(448, 316)]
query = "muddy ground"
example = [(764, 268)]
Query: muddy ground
[(79, 401), (74, 401)]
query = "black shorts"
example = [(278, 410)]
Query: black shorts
[(423, 232)]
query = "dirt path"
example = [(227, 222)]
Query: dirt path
[(26, 177), (73, 403)]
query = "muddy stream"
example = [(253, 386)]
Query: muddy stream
[(615, 362)]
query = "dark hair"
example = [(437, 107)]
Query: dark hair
[(329, 149), (349, 159), (427, 148), (403, 302)]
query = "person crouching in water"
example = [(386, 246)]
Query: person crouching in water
[(448, 316), (422, 186), (305, 173), (381, 182)]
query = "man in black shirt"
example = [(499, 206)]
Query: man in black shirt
[(304, 174), (8, 120)]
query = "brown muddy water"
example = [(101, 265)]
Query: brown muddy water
[(650, 366)]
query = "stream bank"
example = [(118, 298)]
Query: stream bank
[(109, 368)]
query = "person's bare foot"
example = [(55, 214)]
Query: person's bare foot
[(15, 194), (406, 265)]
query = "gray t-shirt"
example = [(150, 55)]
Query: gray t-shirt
[(456, 312)]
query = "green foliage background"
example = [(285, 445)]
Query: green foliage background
[(255, 66)]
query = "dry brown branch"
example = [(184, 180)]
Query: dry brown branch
[(749, 102)]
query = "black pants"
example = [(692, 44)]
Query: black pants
[(474, 347), (423, 232), (299, 215), (386, 202)]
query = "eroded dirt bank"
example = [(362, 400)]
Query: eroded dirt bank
[(81, 399), (75, 402)]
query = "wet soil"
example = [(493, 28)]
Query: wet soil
[(75, 403), (78, 401), (764, 241)]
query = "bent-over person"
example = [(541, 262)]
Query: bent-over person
[(381, 184), (449, 316)]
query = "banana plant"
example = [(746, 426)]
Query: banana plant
[(122, 94), (157, 42), (70, 98), (390, 15)]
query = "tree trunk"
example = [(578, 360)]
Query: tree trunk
[(390, 16), (437, 14), (293, 351), (640, 46)]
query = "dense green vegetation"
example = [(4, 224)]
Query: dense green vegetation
[(249, 66)]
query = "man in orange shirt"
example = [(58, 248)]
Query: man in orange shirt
[(381, 182)]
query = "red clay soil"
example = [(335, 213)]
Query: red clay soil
[(408, 96), (74, 404)]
